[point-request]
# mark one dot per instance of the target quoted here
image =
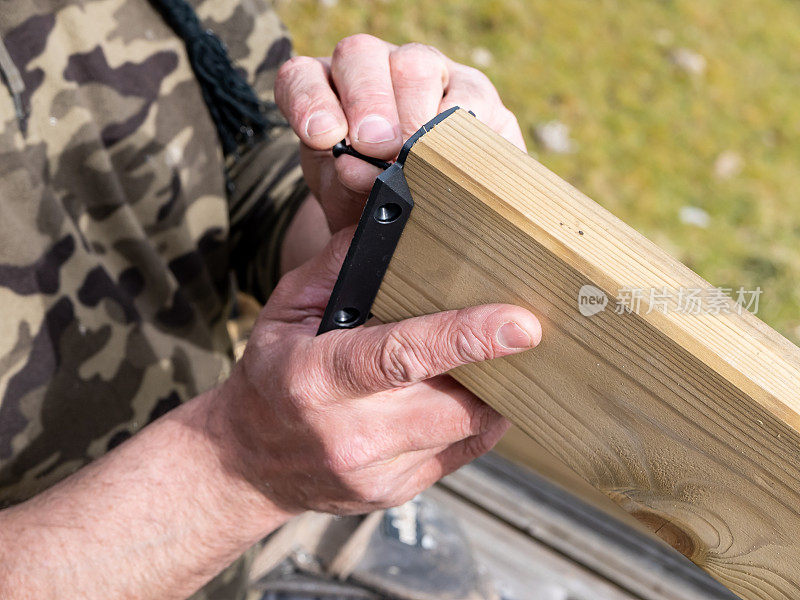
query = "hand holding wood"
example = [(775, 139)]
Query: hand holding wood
[(355, 420)]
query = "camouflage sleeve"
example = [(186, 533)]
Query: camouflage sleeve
[(267, 185), (268, 188)]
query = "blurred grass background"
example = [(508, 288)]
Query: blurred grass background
[(683, 116)]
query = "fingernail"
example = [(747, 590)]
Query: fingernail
[(375, 129), (514, 337), (320, 122)]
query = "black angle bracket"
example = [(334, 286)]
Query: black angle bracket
[(385, 215)]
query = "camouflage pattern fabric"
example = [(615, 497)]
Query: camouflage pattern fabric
[(118, 237)]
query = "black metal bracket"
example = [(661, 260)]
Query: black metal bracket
[(385, 215)]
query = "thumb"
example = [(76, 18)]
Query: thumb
[(364, 361)]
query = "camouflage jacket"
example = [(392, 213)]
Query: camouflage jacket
[(118, 235)]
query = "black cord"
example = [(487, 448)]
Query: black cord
[(237, 112)]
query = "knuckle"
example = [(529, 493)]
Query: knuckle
[(475, 85), (354, 43), (470, 344), (476, 419), (295, 93), (410, 70), (477, 78), (416, 62), (293, 66), (364, 97), (401, 361), (477, 445)]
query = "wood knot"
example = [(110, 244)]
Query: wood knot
[(671, 533), (674, 534)]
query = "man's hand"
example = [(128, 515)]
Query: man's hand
[(361, 419), (376, 95), (345, 422)]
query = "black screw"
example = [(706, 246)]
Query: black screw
[(388, 213), (346, 317)]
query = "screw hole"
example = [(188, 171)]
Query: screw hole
[(346, 317), (388, 213)]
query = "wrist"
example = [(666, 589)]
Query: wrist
[(243, 498)]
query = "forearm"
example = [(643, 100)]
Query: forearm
[(156, 518)]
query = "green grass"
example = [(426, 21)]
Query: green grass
[(647, 133)]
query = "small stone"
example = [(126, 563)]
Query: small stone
[(553, 136), (328, 3), (482, 57), (688, 61), (693, 215), (728, 164)]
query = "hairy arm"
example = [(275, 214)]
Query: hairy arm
[(347, 422), (155, 518)]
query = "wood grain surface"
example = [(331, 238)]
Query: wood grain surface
[(689, 422)]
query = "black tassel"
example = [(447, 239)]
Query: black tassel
[(238, 114)]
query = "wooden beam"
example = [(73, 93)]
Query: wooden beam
[(689, 422)]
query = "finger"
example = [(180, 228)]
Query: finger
[(346, 181), (304, 95), (360, 71), (363, 361), (356, 175), (396, 480), (419, 78), (509, 129), (463, 452), (428, 471), (433, 414), (471, 90), (303, 293)]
